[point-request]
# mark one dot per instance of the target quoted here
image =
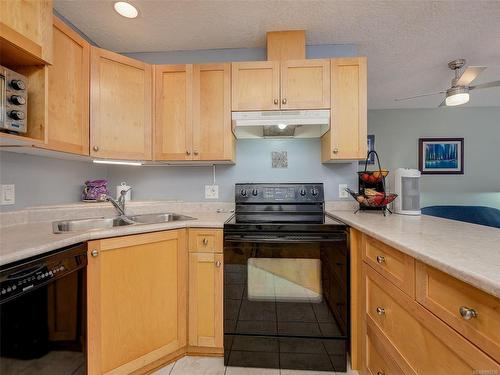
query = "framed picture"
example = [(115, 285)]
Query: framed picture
[(371, 147), (441, 155)]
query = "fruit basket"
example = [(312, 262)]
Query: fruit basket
[(378, 200)]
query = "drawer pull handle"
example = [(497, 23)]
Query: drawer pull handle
[(94, 253), (467, 313), (380, 259), (380, 311), (380, 373), (218, 263), (205, 242)]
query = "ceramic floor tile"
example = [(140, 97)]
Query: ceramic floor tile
[(251, 371), (164, 370), (199, 366)]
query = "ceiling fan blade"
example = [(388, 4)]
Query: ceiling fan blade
[(469, 75), (485, 85), (419, 96), (443, 103)]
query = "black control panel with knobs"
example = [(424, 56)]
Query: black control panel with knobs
[(279, 193), (14, 103)]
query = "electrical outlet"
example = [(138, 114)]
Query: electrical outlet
[(342, 193), (211, 191), (8, 194)]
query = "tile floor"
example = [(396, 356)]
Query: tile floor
[(215, 366)]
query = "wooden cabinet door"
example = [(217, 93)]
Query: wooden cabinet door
[(255, 85), (205, 300), (120, 106), (28, 25), (69, 76), (347, 137), (173, 112), (213, 138), (137, 298), (305, 84)]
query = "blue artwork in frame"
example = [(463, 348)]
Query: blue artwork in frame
[(441, 155)]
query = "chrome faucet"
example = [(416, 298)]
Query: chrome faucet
[(120, 202)]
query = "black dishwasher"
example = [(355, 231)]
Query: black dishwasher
[(43, 313)]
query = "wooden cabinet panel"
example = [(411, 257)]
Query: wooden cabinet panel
[(444, 296), (255, 86), (305, 84), (205, 300), (69, 77), (120, 106), (347, 137), (173, 112), (205, 240), (28, 25), (137, 300), (423, 341), (397, 267), (213, 138), (379, 362)]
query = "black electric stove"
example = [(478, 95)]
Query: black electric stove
[(286, 284)]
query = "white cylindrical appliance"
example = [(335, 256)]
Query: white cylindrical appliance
[(406, 184)]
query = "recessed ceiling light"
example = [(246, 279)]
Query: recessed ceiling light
[(126, 9)]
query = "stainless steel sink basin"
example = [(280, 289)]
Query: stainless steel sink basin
[(112, 222), (88, 224), (158, 218)]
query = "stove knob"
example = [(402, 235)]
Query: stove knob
[(17, 84), (302, 192), (16, 115), (17, 100), (314, 191), (255, 192), (243, 192)]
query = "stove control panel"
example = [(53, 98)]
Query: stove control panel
[(279, 193)]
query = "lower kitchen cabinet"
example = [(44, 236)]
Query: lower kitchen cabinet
[(205, 300), (137, 301)]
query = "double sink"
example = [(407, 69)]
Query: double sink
[(118, 221)]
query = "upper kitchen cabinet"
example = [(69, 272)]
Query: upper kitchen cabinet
[(305, 84), (255, 86), (213, 138), (193, 113), (274, 85), (25, 32), (120, 106), (346, 139), (173, 131), (68, 87)]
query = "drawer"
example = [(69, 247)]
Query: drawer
[(378, 360), (422, 340), (397, 267), (202, 240), (446, 296)]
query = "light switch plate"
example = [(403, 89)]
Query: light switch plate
[(211, 191), (8, 194), (342, 193)]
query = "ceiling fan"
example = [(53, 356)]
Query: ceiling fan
[(458, 93)]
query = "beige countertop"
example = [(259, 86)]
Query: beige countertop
[(466, 251), (25, 240)]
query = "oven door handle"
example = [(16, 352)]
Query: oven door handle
[(283, 238)]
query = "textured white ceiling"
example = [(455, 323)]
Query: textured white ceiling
[(408, 43)]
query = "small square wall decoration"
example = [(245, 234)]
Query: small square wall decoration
[(279, 159), (441, 155)]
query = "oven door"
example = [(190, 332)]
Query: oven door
[(286, 300)]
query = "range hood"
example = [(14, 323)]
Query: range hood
[(281, 124)]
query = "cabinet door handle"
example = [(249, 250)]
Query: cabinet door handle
[(205, 241), (195, 152), (380, 259), (283, 101), (188, 152), (276, 101), (380, 310), (335, 150), (467, 313), (94, 253), (218, 264), (95, 148), (380, 373)]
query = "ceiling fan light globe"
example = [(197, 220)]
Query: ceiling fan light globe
[(457, 99)]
